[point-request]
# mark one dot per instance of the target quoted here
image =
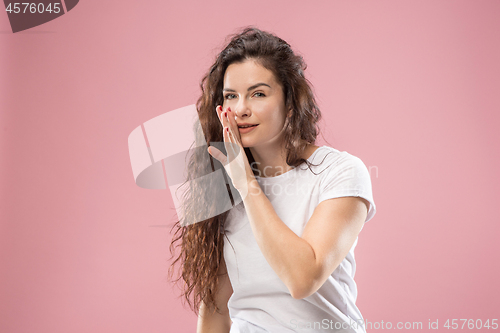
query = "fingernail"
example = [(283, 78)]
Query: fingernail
[(229, 109), (227, 129), (225, 113)]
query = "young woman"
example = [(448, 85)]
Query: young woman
[(282, 259)]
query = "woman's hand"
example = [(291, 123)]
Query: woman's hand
[(236, 162)]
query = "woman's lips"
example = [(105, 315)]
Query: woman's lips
[(247, 129)]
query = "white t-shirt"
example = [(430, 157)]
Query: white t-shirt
[(261, 302)]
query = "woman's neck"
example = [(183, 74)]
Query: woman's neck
[(270, 160)]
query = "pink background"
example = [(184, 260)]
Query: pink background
[(410, 87)]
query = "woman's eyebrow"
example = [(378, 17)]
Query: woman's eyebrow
[(250, 88)]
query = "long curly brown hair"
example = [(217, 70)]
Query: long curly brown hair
[(201, 243)]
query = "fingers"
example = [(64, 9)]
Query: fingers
[(218, 109), (227, 120), (222, 117), (230, 131), (224, 120), (222, 114), (230, 128), (234, 127)]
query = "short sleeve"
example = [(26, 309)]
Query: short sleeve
[(347, 176)]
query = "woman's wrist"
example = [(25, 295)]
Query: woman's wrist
[(250, 186)]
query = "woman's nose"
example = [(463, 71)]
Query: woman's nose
[(241, 109)]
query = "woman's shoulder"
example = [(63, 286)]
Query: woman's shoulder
[(329, 155)]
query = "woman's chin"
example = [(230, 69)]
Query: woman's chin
[(245, 143)]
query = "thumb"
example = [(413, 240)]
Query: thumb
[(217, 154)]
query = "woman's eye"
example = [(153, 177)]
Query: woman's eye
[(229, 96), (260, 94)]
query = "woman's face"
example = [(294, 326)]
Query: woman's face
[(255, 97)]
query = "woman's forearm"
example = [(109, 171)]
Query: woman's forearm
[(291, 257)]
